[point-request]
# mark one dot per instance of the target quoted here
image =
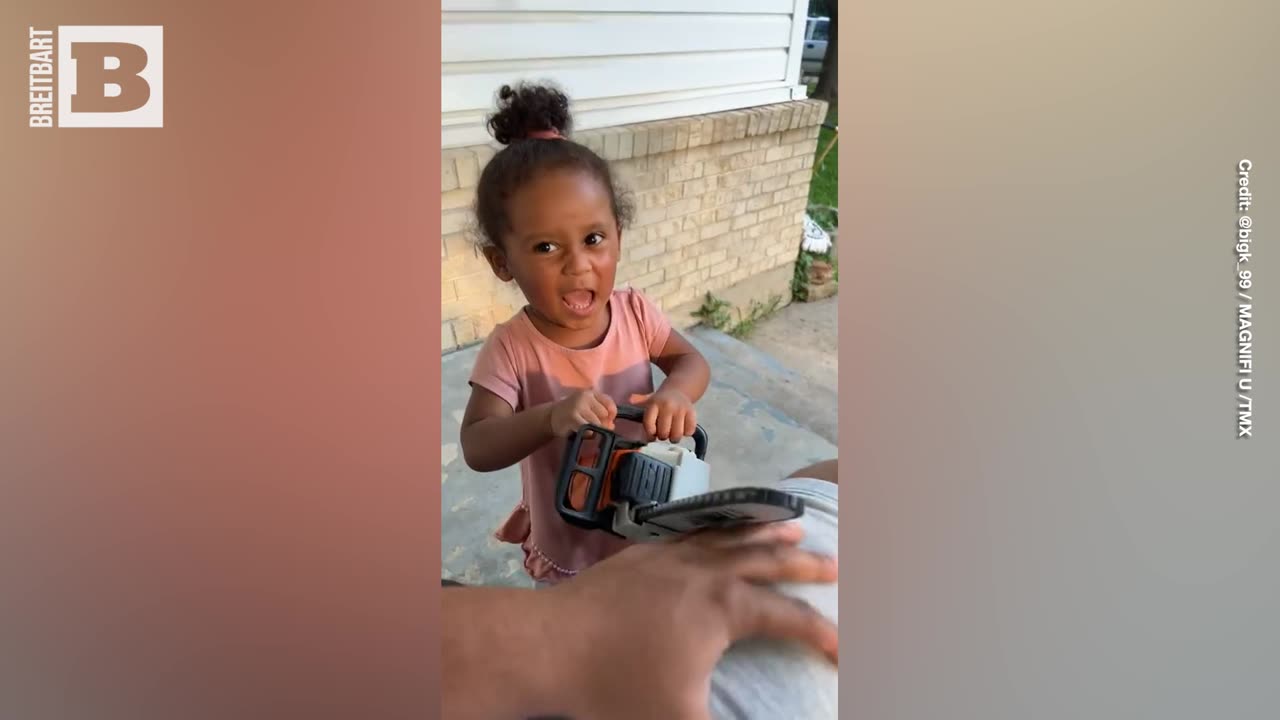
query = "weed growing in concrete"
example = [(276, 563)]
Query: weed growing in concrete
[(714, 313)]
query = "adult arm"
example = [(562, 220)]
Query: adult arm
[(664, 612)]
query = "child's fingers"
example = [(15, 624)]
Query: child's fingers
[(677, 425), (600, 414), (610, 407), (690, 422), (651, 420), (664, 425)]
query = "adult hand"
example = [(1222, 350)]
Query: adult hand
[(641, 632)]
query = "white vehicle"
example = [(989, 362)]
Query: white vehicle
[(815, 45)]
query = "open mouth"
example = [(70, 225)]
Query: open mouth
[(579, 302)]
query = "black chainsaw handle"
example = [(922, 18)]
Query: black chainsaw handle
[(636, 414)]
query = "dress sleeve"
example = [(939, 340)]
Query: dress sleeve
[(496, 369), (653, 323)]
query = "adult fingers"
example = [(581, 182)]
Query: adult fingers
[(788, 533), (775, 563), (759, 611)]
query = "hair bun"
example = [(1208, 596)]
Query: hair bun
[(528, 108)]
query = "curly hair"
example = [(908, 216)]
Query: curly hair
[(533, 122)]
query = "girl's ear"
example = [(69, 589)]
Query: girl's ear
[(498, 262)]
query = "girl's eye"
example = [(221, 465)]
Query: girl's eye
[(545, 247), (595, 238)]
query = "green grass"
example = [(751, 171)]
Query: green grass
[(824, 189)]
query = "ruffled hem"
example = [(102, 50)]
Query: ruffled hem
[(518, 530)]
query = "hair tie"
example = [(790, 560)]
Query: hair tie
[(546, 135)]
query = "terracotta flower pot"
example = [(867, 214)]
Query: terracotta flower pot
[(820, 273)]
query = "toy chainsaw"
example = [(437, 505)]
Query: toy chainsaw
[(655, 490)]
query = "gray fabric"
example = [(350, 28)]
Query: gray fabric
[(762, 679)]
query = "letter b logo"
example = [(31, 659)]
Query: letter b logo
[(110, 76)]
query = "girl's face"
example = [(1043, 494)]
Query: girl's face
[(563, 252)]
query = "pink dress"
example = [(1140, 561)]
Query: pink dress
[(523, 367)]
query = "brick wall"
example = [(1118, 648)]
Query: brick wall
[(719, 199)]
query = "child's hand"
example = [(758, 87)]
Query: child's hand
[(668, 414), (582, 408)]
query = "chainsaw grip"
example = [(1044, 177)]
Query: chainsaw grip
[(635, 414)]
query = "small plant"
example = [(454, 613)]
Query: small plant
[(757, 311), (715, 314), (800, 278), (827, 218)]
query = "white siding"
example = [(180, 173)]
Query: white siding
[(621, 61)]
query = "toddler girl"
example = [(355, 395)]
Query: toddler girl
[(551, 219)]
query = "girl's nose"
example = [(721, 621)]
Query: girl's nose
[(578, 262)]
